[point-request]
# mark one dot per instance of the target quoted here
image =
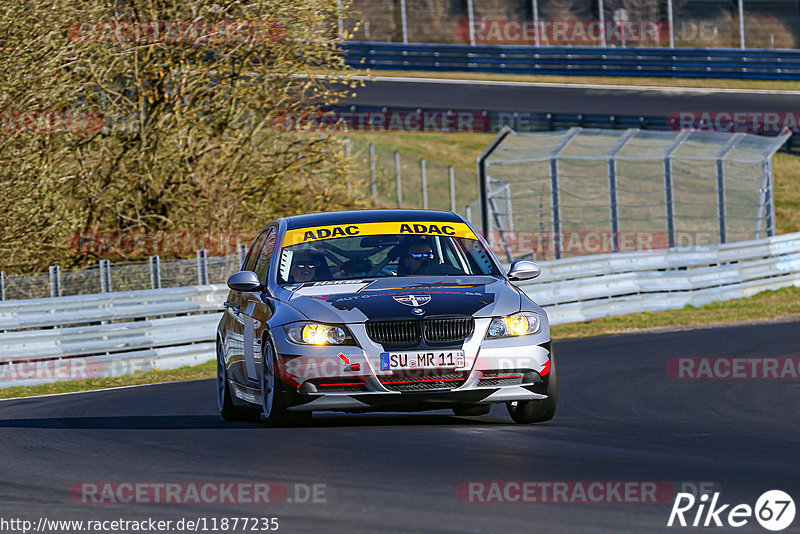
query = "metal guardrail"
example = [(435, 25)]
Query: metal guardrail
[(591, 287), (107, 334), (766, 64), (43, 340)]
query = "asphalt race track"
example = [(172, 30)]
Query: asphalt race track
[(554, 98), (620, 418)]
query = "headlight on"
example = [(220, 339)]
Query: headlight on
[(521, 324), (317, 334)]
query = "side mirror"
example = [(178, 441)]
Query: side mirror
[(523, 270), (244, 281)]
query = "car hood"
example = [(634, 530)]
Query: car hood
[(356, 301)]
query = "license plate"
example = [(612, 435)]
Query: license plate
[(421, 360)]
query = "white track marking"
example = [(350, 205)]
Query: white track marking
[(651, 88), (103, 389)]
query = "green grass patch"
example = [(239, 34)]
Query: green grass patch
[(765, 305), (449, 148), (204, 370), (704, 83)]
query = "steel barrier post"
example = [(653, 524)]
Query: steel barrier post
[(404, 20), (741, 24), (340, 19), (155, 272), (669, 202), (721, 215), (202, 267), (612, 184), (399, 179), (55, 281), (424, 175), (372, 185), (347, 153), (483, 181), (242, 250), (770, 206), (471, 21), (554, 192), (2, 286), (601, 11), (670, 24), (452, 171), (105, 276)]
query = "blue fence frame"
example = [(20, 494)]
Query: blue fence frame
[(763, 64)]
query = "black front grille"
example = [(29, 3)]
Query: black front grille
[(339, 385), (394, 332), (445, 330), (423, 381), (508, 377)]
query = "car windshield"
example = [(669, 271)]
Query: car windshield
[(359, 251)]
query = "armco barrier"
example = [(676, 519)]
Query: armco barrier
[(110, 334), (767, 64)]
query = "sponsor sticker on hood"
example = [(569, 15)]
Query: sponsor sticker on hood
[(316, 233), (330, 287)]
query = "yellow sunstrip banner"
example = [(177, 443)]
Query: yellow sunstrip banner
[(316, 233)]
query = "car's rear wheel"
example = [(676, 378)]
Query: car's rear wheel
[(228, 410), (538, 411), (273, 392)]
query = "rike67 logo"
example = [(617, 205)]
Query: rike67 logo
[(774, 510)]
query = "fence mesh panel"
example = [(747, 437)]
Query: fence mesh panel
[(27, 286), (178, 273), (130, 276), (80, 281), (613, 188), (220, 268), (707, 24)]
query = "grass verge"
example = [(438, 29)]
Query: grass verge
[(701, 83), (763, 306), (204, 370)]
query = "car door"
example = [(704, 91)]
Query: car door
[(255, 311), (239, 327)]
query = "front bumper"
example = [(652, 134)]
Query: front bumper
[(348, 378)]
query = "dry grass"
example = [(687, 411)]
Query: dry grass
[(766, 305), (204, 370), (703, 83), (786, 175)]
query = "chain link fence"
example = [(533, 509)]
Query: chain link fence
[(583, 191), (707, 24), (396, 180), (124, 276)]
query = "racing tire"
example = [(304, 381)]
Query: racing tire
[(273, 393), (538, 411), (228, 410)]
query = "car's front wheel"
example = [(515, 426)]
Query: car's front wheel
[(273, 392), (538, 411)]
